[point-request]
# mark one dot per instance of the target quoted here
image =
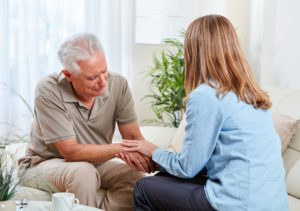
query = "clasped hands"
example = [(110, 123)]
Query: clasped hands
[(137, 154)]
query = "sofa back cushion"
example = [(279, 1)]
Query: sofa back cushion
[(291, 158), (285, 127)]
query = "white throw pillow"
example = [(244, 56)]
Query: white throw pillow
[(286, 128)]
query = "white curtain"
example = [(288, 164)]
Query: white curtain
[(30, 34), (275, 42)]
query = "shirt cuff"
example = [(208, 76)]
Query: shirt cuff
[(155, 157), (156, 154)]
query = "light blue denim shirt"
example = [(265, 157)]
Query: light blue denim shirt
[(238, 146)]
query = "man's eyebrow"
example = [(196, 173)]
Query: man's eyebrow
[(92, 75), (103, 70)]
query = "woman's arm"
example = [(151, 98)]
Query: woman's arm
[(202, 131)]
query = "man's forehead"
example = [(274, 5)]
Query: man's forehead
[(92, 63), (89, 72)]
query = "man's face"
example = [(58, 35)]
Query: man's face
[(91, 81)]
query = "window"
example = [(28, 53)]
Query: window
[(31, 33)]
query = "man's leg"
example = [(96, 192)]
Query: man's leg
[(119, 181), (80, 178), (168, 193)]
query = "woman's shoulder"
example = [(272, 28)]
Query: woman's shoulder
[(208, 96), (204, 91), (211, 92), (203, 95)]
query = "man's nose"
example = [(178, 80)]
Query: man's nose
[(102, 79)]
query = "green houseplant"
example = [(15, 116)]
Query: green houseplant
[(167, 84), (10, 178)]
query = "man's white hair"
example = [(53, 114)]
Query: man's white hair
[(77, 48)]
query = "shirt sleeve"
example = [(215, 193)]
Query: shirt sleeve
[(125, 105), (203, 127), (52, 120)]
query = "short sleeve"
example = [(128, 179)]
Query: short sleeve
[(52, 121), (125, 112)]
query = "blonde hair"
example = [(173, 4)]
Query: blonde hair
[(213, 56)]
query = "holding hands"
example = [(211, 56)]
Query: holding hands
[(137, 154)]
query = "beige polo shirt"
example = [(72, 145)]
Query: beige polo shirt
[(59, 115)]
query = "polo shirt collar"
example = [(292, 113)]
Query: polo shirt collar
[(66, 90)]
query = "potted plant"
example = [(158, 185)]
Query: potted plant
[(9, 180), (167, 85)]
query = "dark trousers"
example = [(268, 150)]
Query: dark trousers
[(165, 192)]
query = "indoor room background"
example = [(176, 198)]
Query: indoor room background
[(131, 32)]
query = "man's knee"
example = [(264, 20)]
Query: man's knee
[(84, 175), (130, 174), (123, 173)]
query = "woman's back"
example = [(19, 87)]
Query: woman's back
[(245, 169)]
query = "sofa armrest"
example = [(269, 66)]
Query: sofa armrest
[(161, 136)]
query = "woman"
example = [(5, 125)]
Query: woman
[(229, 134)]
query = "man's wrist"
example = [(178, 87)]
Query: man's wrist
[(118, 147)]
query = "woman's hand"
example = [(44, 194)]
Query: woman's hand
[(142, 146)]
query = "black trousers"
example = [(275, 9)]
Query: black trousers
[(165, 192)]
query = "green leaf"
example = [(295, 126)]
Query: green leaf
[(167, 84)]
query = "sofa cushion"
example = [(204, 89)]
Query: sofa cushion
[(32, 194), (286, 127), (294, 203), (158, 135), (292, 180), (177, 141), (290, 157), (295, 143)]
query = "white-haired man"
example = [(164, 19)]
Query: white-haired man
[(75, 116)]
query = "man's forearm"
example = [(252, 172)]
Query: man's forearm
[(92, 152)]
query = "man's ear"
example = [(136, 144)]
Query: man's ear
[(67, 74)]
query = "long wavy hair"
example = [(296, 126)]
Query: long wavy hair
[(213, 56)]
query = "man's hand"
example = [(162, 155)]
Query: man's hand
[(137, 161)]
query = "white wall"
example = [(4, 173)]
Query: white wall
[(142, 60)]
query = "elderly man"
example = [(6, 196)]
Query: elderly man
[(75, 116)]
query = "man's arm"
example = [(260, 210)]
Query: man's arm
[(72, 151), (131, 131)]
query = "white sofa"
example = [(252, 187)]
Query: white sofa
[(284, 101)]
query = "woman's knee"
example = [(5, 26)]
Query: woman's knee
[(141, 186)]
